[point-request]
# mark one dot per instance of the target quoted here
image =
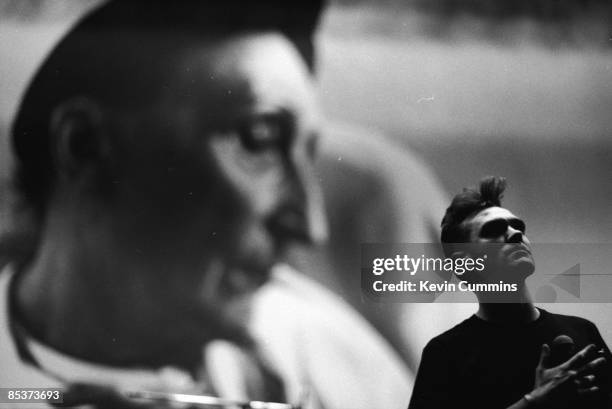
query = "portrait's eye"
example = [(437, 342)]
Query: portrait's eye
[(494, 228), (263, 132)]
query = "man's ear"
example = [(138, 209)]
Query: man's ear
[(78, 138), (458, 254)]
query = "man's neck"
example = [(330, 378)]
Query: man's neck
[(520, 310), (508, 313)]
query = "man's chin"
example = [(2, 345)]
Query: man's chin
[(523, 267), (515, 271)]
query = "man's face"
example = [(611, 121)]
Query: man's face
[(502, 235), (216, 179)]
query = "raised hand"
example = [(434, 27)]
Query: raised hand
[(570, 384)]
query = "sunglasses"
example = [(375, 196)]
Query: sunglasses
[(498, 227)]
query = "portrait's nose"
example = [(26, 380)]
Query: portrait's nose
[(302, 216), (514, 235)]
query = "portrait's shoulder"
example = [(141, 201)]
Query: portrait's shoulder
[(380, 180), (300, 327), (366, 148), (298, 302)]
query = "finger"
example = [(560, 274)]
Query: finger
[(544, 356), (580, 358), (595, 366), (570, 375), (584, 392), (588, 378), (585, 381)]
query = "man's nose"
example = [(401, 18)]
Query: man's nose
[(302, 214), (514, 235)]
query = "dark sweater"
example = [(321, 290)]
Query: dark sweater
[(479, 364)]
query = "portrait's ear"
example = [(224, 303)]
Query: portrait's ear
[(77, 135)]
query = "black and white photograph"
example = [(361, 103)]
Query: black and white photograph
[(326, 204)]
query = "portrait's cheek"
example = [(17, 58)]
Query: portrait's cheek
[(259, 163)]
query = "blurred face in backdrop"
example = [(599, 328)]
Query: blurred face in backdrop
[(173, 208), (214, 179)]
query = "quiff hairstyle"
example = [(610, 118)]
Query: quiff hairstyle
[(468, 203)]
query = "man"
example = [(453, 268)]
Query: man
[(166, 153), (501, 356)]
